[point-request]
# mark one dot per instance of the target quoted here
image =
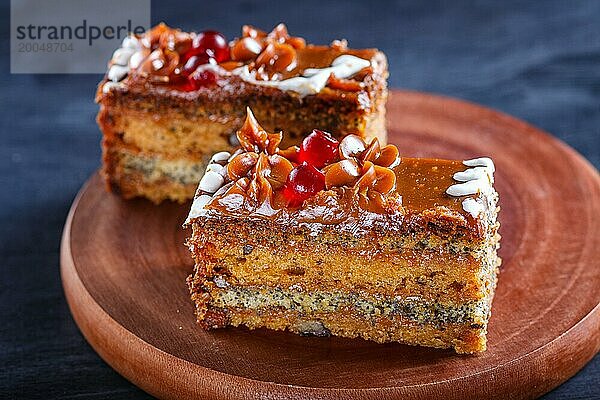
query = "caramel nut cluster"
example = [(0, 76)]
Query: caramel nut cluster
[(161, 51), (258, 173), (367, 167), (245, 49), (253, 137), (268, 53), (256, 168)]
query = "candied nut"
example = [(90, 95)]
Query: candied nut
[(279, 33), (276, 57), (241, 165), (279, 200), (368, 178), (175, 40), (152, 37), (296, 42), (279, 170), (385, 179), (260, 189), (341, 173), (351, 146), (388, 157), (262, 165), (160, 63), (372, 152), (252, 136), (148, 65), (291, 153), (235, 153), (252, 32), (183, 42), (273, 141), (377, 178), (171, 62), (246, 49)]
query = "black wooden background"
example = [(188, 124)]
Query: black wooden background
[(537, 60)]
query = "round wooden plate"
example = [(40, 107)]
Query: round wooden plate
[(124, 267)]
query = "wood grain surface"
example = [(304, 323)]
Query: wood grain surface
[(124, 264)]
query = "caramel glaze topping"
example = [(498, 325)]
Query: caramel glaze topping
[(366, 187), (258, 172), (269, 56), (282, 56)]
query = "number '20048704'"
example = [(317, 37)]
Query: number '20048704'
[(45, 47)]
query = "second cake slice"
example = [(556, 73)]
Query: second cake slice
[(170, 99), (345, 238)]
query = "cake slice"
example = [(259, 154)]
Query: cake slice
[(345, 238), (170, 99)]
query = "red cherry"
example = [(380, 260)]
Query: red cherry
[(193, 63), (303, 182), (187, 86), (209, 43), (177, 79), (199, 79), (318, 149), (204, 78)]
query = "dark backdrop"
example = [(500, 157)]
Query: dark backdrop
[(539, 61)]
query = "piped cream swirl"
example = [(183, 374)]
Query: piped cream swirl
[(120, 62), (478, 179), (313, 80), (212, 181)]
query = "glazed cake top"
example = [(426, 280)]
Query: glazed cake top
[(352, 185), (170, 61)]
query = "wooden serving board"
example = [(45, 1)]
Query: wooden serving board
[(124, 267)]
